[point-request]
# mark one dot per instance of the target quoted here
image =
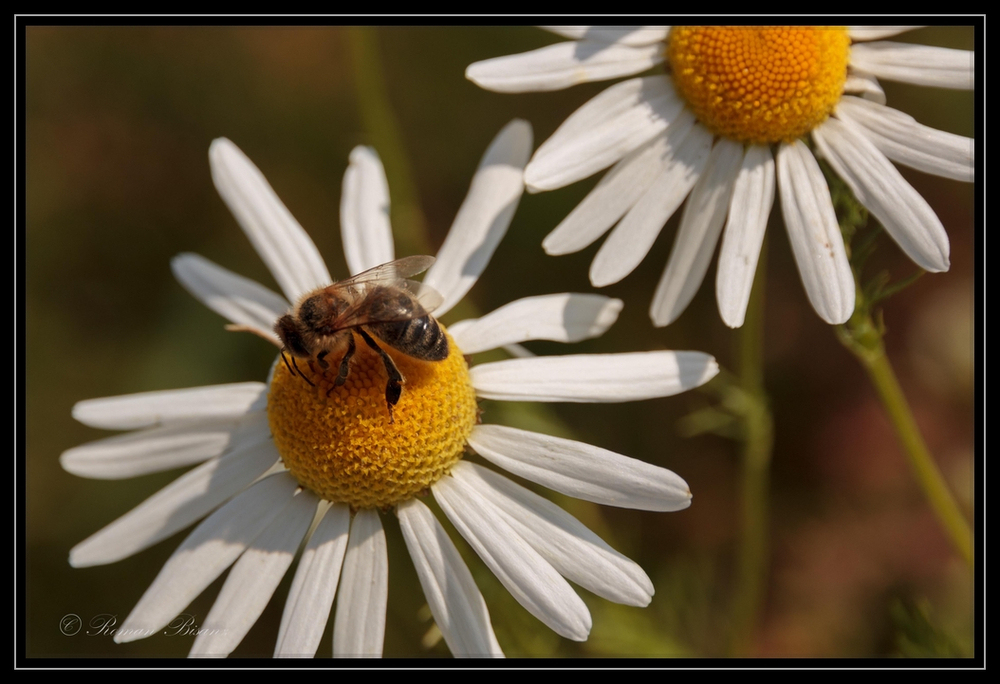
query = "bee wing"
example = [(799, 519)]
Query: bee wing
[(390, 272), (392, 300), (428, 297)]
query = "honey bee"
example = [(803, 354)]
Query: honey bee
[(378, 303)]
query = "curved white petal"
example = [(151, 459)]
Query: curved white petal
[(613, 195), (455, 601), (581, 470), (863, 33), (562, 65), (254, 578), (866, 85), (918, 64), (749, 209), (698, 234), (518, 352), (280, 241), (574, 551), (899, 137), (626, 35), (558, 317), (206, 553), (530, 579), (483, 217), (163, 448), (602, 131), (364, 212), (146, 409), (604, 378), (238, 299), (880, 187), (632, 238), (176, 506), (359, 624), (311, 595), (814, 233)]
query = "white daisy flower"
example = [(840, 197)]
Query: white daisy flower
[(291, 461), (722, 128)]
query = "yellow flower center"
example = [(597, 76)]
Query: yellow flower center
[(338, 441), (759, 84)]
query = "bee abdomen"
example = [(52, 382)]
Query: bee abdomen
[(421, 338)]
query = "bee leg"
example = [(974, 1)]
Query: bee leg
[(321, 360), (345, 363), (345, 366), (393, 388)]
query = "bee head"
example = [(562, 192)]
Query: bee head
[(287, 328)]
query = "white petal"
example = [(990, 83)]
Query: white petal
[(814, 233), (206, 553), (176, 506), (862, 33), (359, 625), (484, 216), (163, 448), (701, 224), (918, 64), (558, 317), (603, 378), (239, 299), (562, 65), (254, 578), (455, 601), (577, 553), (602, 131), (364, 212), (613, 195), (581, 470), (280, 241), (899, 137), (626, 35), (749, 208), (880, 187), (530, 579), (311, 595), (632, 238), (518, 351), (865, 84), (146, 409)]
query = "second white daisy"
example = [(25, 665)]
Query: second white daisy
[(725, 127)]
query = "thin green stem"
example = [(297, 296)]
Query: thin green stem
[(863, 335), (864, 338), (383, 129), (758, 437)]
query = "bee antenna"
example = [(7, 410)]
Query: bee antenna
[(294, 366)]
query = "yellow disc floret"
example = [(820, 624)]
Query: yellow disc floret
[(763, 84), (339, 441)]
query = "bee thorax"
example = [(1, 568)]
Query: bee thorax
[(319, 313)]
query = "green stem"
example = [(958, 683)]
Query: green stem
[(864, 339), (863, 335), (384, 132), (758, 439)]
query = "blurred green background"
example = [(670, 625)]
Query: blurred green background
[(119, 121)]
